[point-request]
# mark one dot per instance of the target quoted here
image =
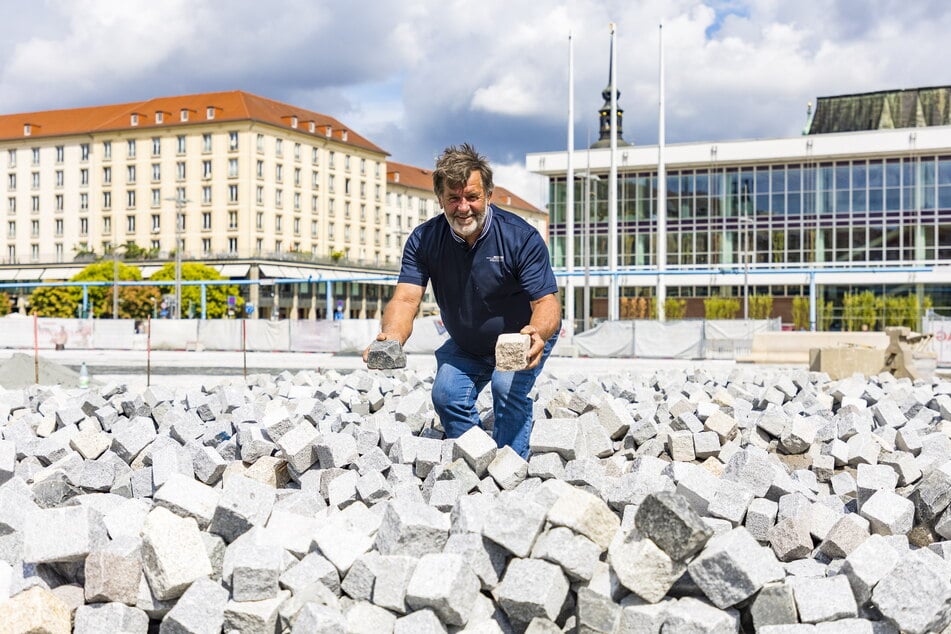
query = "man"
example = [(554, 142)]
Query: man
[(491, 274)]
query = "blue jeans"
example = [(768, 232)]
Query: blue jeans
[(460, 377)]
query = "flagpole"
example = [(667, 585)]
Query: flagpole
[(613, 303), (661, 293), (570, 200)]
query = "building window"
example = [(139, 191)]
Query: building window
[(184, 115), (330, 231), (313, 228), (134, 119), (346, 186), (259, 169), (36, 180), (34, 228), (279, 147), (232, 168), (313, 204), (297, 151), (34, 252), (131, 148), (259, 195), (233, 140), (210, 112), (206, 143), (296, 201), (206, 220), (11, 229), (106, 200), (156, 223), (36, 156), (346, 162), (206, 194), (84, 226), (11, 253), (330, 158), (83, 151), (130, 224), (60, 153), (156, 197), (12, 182), (180, 194), (278, 198), (259, 220), (107, 150), (206, 245), (232, 245), (159, 117), (84, 201), (156, 245), (59, 251), (180, 170), (278, 246), (35, 203), (330, 183), (58, 227), (59, 178), (278, 223), (232, 193), (106, 175), (130, 174), (84, 176), (206, 169), (279, 173), (232, 219), (11, 205), (296, 177), (259, 245), (156, 146), (296, 226), (59, 202), (260, 143), (315, 156)]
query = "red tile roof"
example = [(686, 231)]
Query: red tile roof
[(235, 105)]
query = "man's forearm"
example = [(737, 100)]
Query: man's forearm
[(398, 320), (546, 316)]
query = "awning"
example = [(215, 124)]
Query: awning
[(233, 270), (148, 270), (62, 273), (8, 275), (29, 275)]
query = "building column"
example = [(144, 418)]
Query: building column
[(254, 290)]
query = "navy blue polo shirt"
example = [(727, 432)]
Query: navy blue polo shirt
[(485, 290)]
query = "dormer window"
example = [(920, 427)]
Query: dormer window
[(134, 119), (210, 112), (184, 114), (159, 117), (27, 129), (343, 135), (311, 126), (294, 122), (328, 131)]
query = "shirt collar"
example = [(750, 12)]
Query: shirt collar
[(485, 228)]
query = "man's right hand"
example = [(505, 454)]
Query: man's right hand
[(380, 337)]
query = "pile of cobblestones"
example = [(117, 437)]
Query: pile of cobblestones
[(682, 501)]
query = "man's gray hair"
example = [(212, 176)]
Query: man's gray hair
[(456, 164)]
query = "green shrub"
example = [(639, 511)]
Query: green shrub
[(721, 307), (761, 307)]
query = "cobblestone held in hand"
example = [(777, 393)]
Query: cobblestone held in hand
[(694, 500)]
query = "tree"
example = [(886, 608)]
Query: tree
[(860, 311), (100, 297), (55, 301), (721, 307), (761, 306), (5, 303), (216, 295)]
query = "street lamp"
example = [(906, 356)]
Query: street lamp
[(180, 202), (746, 222)]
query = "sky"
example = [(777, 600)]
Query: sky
[(415, 76)]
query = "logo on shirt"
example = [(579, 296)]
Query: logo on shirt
[(496, 259)]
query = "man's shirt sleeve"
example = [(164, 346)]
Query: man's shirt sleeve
[(534, 268), (413, 269)]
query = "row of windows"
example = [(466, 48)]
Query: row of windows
[(845, 187), (791, 245), (181, 142)]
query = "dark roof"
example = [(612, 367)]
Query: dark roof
[(886, 109)]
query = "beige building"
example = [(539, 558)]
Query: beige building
[(265, 191)]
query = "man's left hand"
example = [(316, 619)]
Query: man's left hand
[(536, 349)]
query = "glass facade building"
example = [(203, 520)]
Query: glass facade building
[(875, 203)]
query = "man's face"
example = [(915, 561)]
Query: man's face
[(465, 208)]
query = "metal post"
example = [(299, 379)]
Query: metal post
[(585, 250), (180, 202)]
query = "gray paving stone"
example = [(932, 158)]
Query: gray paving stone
[(732, 567), (694, 615), (643, 568), (477, 448), (243, 503), (386, 355), (507, 469), (253, 616), (313, 567), (774, 604), (889, 513), (412, 528), (867, 564), (514, 523), (66, 534), (790, 538), (113, 571), (532, 588), (486, 558), (824, 599), (199, 611), (419, 622), (914, 597), (110, 617), (314, 618), (586, 514), (846, 534), (668, 520), (173, 555), (576, 554), (445, 584)]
